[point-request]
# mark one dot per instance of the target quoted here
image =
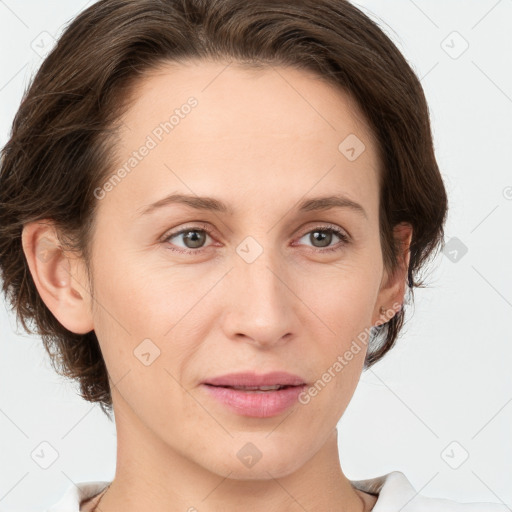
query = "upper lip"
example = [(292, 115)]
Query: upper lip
[(253, 379)]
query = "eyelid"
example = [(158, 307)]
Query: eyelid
[(324, 226), (189, 226)]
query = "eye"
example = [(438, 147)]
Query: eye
[(193, 237), (323, 235)]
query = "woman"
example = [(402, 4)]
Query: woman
[(213, 212)]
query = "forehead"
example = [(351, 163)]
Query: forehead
[(274, 129), (269, 100)]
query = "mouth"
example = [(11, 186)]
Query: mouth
[(247, 394)]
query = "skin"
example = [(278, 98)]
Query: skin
[(261, 141)]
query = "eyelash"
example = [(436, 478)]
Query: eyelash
[(330, 228)]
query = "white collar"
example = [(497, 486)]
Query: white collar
[(394, 492)]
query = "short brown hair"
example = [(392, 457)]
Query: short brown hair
[(61, 146)]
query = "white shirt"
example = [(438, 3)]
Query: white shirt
[(395, 493)]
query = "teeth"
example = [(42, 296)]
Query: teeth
[(257, 388)]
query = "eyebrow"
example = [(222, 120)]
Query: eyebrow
[(211, 204)]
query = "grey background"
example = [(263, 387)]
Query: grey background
[(445, 392)]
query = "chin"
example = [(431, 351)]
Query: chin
[(252, 463)]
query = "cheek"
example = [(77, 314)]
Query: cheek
[(129, 294), (343, 297), (341, 324), (148, 314)]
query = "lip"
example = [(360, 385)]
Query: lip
[(253, 379), (255, 404)]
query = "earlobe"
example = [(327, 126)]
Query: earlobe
[(56, 277)]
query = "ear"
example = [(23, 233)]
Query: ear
[(59, 278), (392, 289)]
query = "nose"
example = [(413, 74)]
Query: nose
[(261, 305)]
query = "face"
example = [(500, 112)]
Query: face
[(257, 279)]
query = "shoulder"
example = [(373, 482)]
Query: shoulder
[(424, 504), (395, 492), (77, 494)]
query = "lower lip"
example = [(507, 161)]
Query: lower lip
[(256, 404)]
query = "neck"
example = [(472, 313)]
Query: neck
[(150, 475)]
